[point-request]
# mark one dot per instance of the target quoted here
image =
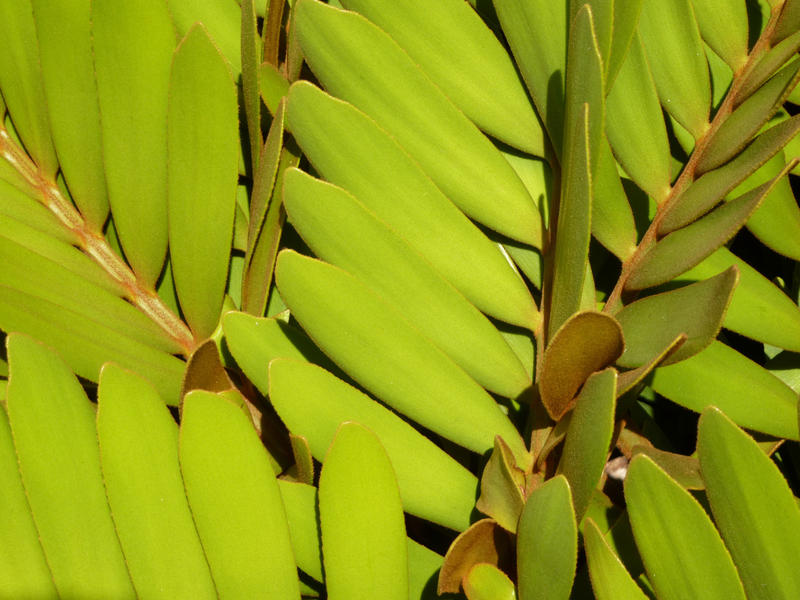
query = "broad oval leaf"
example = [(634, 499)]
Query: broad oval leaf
[(547, 543), (139, 453), (681, 549), (235, 501), (721, 376), (588, 342), (313, 403), (588, 440), (464, 58), (361, 64), (53, 425), (364, 246), (753, 507), (361, 519), (65, 46), (653, 322), (203, 114), (132, 72), (350, 150), (486, 582), (373, 343), (678, 62)]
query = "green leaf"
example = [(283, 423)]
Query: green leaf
[(502, 487), (274, 86), (610, 579), (685, 470), (139, 452), (454, 47), (697, 310), (133, 72), (723, 25), (251, 89), (628, 379), (313, 403), (758, 309), (713, 186), (626, 22), (23, 570), (201, 184), (683, 249), (589, 438), (254, 342), (300, 502), (87, 342), (21, 82), (23, 207), (588, 342), (361, 519), (54, 432), (221, 19), (571, 253), (351, 151), (486, 582), (389, 357), (360, 63), (547, 543), (681, 549), (748, 119), (367, 248), (484, 542), (721, 376), (675, 52), (235, 501), (536, 31), (635, 125), (65, 48), (789, 21), (752, 506), (612, 219), (768, 64)]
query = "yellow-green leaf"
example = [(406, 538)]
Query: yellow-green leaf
[(610, 579)]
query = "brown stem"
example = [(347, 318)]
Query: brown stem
[(687, 176), (94, 245)]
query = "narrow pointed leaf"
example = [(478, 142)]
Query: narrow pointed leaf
[(748, 118), (721, 376), (53, 426), (678, 565), (361, 519), (389, 357), (713, 186), (23, 568), (132, 72), (537, 34), (222, 20), (65, 47), (300, 502), (313, 403), (685, 470), (697, 310), (26, 209), (626, 22), (361, 64), (612, 219), (769, 64), (789, 21), (462, 56), (201, 184), (635, 125), (753, 507), (485, 582), (723, 25), (251, 92), (610, 579), (21, 82), (139, 451), (235, 500), (274, 86), (628, 379), (502, 487), (589, 438), (364, 246), (687, 247), (675, 53), (350, 150), (547, 543)]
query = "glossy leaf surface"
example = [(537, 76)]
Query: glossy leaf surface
[(610, 579)]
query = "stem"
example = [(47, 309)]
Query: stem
[(687, 176), (94, 245)]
